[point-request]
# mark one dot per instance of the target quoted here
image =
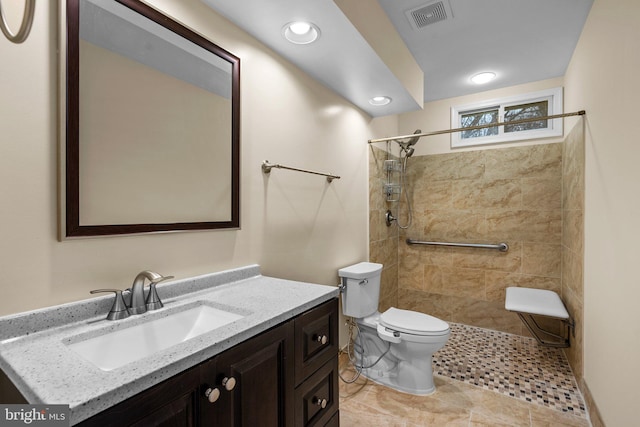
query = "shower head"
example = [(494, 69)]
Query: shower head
[(415, 139), (409, 142)]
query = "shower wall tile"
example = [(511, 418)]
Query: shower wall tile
[(441, 167), (452, 225), (531, 197), (486, 196), (434, 195), (486, 259), (542, 259), (425, 302), (533, 161), (485, 314), (573, 230), (541, 193), (572, 291), (383, 240), (525, 225)]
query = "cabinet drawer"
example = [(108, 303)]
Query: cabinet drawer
[(316, 399), (316, 339)]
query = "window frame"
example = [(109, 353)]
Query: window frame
[(554, 127)]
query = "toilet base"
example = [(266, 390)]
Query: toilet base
[(403, 366), (394, 379)]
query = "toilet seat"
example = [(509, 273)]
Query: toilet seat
[(413, 322)]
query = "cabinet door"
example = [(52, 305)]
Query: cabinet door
[(262, 371), (170, 403)]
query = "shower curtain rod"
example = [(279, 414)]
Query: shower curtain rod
[(515, 122)]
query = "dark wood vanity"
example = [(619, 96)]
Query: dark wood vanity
[(286, 376)]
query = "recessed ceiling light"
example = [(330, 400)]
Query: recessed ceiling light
[(482, 78), (301, 32), (380, 100)]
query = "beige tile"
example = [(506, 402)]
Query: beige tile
[(484, 314), (572, 272), (543, 160), (542, 259), (441, 167), (431, 194), (479, 194), (464, 282), (573, 191), (411, 271), (453, 225), (384, 252), (542, 193), (526, 226), (483, 420), (425, 302), (573, 230), (547, 417), (489, 259)]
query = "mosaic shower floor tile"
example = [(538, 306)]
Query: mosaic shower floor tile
[(512, 365)]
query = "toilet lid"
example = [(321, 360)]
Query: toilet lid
[(412, 322)]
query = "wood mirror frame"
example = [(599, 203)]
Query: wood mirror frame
[(71, 194)]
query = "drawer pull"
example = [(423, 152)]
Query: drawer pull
[(228, 383), (320, 402), (322, 339), (212, 394)]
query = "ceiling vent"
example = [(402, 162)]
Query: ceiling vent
[(422, 16)]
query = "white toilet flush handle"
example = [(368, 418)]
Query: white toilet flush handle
[(388, 335)]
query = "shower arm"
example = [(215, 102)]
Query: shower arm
[(490, 125)]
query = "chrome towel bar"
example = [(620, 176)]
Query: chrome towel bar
[(502, 247), (266, 168)]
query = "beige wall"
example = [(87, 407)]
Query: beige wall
[(296, 226), (602, 78)]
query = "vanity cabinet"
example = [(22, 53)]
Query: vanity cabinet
[(284, 377)]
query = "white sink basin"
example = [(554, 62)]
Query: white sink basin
[(118, 348)]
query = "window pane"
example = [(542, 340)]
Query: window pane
[(478, 118), (526, 111)]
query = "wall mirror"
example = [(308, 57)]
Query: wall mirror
[(152, 125)]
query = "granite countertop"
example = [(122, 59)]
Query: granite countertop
[(33, 353)]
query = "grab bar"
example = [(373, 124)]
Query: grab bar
[(502, 247), (266, 168)]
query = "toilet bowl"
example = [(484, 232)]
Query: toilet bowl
[(393, 348)]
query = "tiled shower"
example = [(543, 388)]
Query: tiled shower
[(531, 197)]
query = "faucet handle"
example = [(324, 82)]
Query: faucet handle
[(119, 309), (153, 300)]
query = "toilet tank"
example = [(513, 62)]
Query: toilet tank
[(362, 289)]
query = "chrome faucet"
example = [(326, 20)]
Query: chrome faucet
[(138, 303)]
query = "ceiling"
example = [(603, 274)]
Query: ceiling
[(519, 40)]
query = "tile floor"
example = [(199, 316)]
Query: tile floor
[(483, 378)]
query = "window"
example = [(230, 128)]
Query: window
[(527, 106)]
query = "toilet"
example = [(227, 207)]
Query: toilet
[(393, 348)]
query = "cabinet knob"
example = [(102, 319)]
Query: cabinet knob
[(212, 394), (320, 402), (322, 339), (228, 383)]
